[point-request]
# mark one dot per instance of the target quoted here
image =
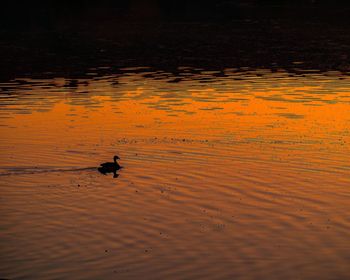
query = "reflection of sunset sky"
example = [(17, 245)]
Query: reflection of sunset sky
[(238, 163), (275, 106)]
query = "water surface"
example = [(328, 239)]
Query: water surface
[(235, 174)]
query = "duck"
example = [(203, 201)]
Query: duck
[(110, 167)]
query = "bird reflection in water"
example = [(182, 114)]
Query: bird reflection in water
[(110, 167)]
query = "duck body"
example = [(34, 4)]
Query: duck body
[(110, 167)]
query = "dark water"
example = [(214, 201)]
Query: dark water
[(227, 175)]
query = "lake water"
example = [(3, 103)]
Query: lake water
[(235, 174)]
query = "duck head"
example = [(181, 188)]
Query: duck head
[(115, 158)]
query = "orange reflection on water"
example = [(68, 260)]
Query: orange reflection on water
[(227, 110), (231, 170)]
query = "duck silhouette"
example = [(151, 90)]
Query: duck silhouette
[(110, 167)]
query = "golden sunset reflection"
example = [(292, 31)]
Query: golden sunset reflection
[(255, 165), (308, 109)]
